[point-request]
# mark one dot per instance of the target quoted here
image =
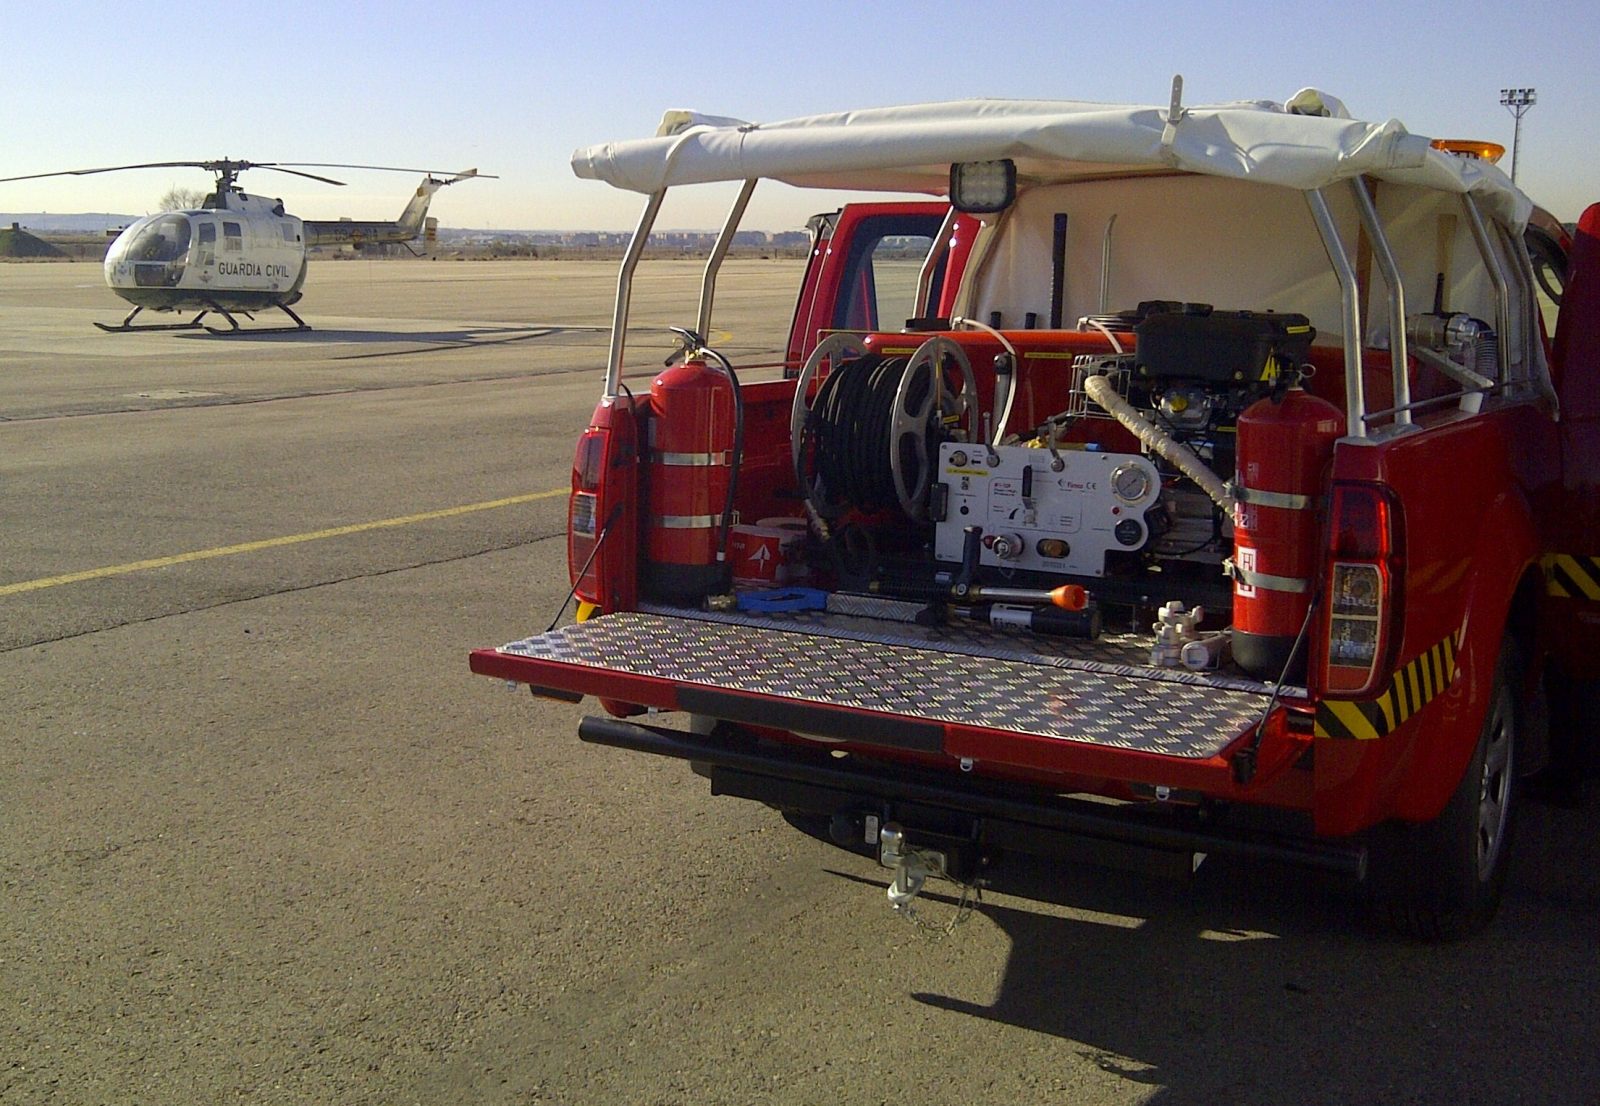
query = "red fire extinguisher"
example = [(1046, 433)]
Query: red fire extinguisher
[(687, 472), (1285, 449)]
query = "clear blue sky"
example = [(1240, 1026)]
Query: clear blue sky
[(513, 87)]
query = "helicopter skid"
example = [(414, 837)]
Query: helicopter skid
[(126, 329), (235, 328), (126, 326), (225, 332)]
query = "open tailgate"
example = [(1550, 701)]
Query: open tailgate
[(1082, 707)]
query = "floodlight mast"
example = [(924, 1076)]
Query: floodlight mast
[(1517, 101)]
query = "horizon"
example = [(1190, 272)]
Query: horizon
[(8, 217), (493, 86)]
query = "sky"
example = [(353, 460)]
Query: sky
[(512, 88)]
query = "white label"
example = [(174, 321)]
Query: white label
[(1245, 558)]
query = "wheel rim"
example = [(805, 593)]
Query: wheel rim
[(1494, 796)]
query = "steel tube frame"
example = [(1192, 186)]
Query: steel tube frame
[(1491, 262), (1384, 255), (619, 315), (708, 281), (1355, 402), (936, 253), (1105, 265), (1538, 369)]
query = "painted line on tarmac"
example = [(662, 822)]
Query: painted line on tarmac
[(270, 543)]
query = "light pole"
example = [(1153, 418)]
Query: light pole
[(1517, 101)]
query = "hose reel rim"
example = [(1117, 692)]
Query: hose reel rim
[(843, 346), (913, 426)]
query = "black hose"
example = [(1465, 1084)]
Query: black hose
[(738, 447), (850, 427)]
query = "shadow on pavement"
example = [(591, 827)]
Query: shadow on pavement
[(462, 336), (1247, 984)]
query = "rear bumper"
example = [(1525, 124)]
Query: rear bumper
[(990, 816)]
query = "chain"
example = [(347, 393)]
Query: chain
[(971, 898)]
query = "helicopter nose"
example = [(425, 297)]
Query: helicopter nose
[(150, 253)]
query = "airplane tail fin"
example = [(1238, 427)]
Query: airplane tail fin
[(411, 224)]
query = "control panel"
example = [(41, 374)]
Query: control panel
[(1042, 511)]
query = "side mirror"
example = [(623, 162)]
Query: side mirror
[(983, 187)]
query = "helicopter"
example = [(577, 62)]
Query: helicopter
[(238, 253)]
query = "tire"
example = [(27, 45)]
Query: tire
[(1442, 881)]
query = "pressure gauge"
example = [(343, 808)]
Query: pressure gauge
[(1130, 482)]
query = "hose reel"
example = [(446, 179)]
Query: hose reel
[(875, 424)]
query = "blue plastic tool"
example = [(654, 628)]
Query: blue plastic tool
[(777, 600)]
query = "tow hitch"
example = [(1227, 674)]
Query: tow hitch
[(912, 867)]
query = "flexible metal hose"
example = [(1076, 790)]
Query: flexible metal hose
[(1101, 390)]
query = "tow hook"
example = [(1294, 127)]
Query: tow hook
[(912, 868)]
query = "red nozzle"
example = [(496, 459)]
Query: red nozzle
[(1070, 597)]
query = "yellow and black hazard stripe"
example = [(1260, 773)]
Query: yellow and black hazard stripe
[(1416, 685), (1571, 577)]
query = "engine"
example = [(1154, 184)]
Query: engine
[(1093, 502)]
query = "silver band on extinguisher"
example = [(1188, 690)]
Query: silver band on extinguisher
[(685, 522), (691, 460), (1288, 501), (1249, 577)]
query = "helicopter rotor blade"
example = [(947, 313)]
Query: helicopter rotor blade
[(231, 168), (390, 169), (117, 168), (280, 169)]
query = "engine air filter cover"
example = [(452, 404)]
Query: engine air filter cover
[(1231, 348)]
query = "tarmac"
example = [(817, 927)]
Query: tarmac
[(264, 839)]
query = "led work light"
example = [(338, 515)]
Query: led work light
[(983, 187)]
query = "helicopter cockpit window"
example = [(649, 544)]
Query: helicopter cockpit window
[(232, 237), (208, 234), (163, 239)]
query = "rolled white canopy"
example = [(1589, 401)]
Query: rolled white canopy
[(911, 148)]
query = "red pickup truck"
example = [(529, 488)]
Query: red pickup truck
[(1218, 489)]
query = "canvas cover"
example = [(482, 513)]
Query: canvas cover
[(1308, 143), (1231, 243)]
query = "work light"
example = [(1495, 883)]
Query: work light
[(982, 187)]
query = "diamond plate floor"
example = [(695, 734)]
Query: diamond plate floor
[(1121, 706), (1120, 653)]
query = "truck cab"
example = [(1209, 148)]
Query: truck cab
[(1214, 488)]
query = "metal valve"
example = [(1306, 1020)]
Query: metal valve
[(1008, 547)]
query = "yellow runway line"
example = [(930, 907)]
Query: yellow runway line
[(270, 543)]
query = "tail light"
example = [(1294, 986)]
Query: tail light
[(602, 534), (1363, 589), (583, 510)]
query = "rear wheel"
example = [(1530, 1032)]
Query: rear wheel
[(1442, 881)]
